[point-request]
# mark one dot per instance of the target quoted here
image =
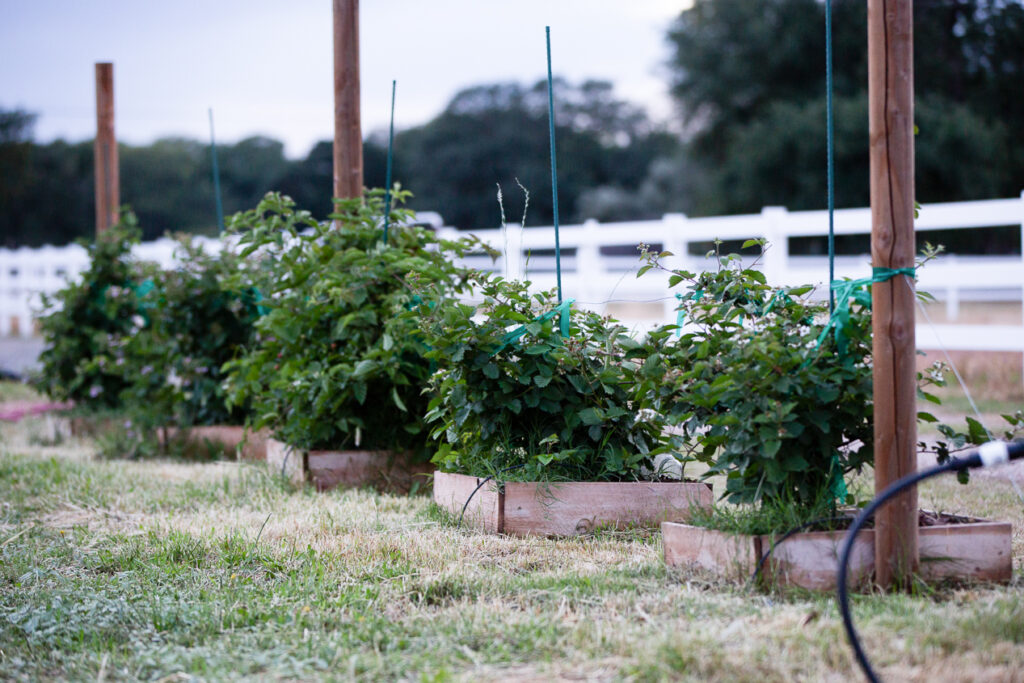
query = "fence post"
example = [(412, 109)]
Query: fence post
[(777, 254)]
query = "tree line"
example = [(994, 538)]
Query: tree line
[(748, 81)]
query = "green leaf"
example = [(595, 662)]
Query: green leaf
[(756, 275), (796, 463), (927, 417), (541, 381), (491, 370), (398, 400), (363, 368), (591, 416), (976, 432)]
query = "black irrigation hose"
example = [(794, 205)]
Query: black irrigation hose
[(480, 485), (990, 454), (284, 463)]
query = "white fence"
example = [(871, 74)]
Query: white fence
[(599, 263)]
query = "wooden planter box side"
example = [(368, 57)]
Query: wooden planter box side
[(329, 469), (382, 469), (283, 459), (92, 426), (730, 555), (564, 509), (982, 550), (451, 491), (979, 551), (811, 559), (233, 439), (579, 507)]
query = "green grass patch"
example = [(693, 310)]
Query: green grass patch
[(223, 571)]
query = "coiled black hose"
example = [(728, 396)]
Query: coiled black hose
[(990, 454)]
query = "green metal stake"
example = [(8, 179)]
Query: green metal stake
[(387, 182), (554, 169), (216, 176), (831, 159)]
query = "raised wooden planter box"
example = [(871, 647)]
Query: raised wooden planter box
[(327, 469), (972, 549), (564, 509), (232, 439), (89, 426)]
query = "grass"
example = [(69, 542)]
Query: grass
[(220, 571), (17, 391)]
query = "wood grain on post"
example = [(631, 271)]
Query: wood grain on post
[(348, 138), (891, 96), (108, 195)]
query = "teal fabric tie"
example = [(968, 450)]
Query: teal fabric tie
[(837, 485), (681, 315), (257, 297), (845, 290), (780, 295), (838, 323), (561, 310)]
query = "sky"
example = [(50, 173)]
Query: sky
[(265, 66)]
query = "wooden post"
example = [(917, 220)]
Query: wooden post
[(891, 106), (348, 138), (108, 199)]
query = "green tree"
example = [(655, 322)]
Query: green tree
[(749, 79), (169, 186), (498, 132)]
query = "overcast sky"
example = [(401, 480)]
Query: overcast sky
[(265, 66)]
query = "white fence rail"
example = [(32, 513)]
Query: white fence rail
[(599, 263)]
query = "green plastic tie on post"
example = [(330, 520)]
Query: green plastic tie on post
[(853, 289), (216, 175), (387, 182), (554, 169), (831, 155), (561, 310)]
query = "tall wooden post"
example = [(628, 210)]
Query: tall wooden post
[(891, 95), (348, 138), (108, 193)]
